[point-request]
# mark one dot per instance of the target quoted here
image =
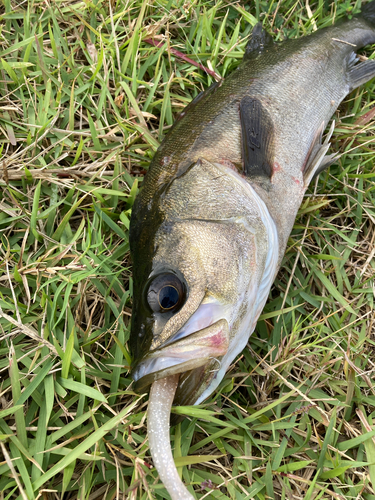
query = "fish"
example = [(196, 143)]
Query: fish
[(210, 226)]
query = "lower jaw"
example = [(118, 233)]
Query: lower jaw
[(195, 357), (189, 366), (193, 383)]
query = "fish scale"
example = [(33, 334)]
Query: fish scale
[(210, 225)]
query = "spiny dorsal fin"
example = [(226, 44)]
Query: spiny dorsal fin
[(259, 39), (257, 137)]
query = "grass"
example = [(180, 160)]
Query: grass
[(84, 103)]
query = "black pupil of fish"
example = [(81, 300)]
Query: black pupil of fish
[(168, 297)]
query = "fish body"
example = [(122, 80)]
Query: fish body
[(211, 224)]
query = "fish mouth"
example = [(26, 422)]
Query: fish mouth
[(194, 355)]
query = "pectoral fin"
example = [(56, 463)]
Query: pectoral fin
[(257, 138)]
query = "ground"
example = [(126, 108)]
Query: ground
[(86, 98)]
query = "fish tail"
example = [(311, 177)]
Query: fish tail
[(360, 73), (368, 12)]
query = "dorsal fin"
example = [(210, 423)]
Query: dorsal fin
[(257, 137), (259, 39)]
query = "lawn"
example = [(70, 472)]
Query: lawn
[(86, 99)]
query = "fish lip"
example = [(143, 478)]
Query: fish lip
[(207, 314), (186, 354)]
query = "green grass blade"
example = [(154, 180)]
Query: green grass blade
[(16, 392), (84, 446)]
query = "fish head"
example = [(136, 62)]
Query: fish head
[(198, 267)]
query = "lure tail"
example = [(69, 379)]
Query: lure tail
[(159, 410)]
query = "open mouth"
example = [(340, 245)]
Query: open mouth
[(194, 355)]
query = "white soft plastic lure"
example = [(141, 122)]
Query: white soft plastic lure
[(159, 413)]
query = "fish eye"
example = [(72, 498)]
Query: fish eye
[(168, 297), (165, 293)]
